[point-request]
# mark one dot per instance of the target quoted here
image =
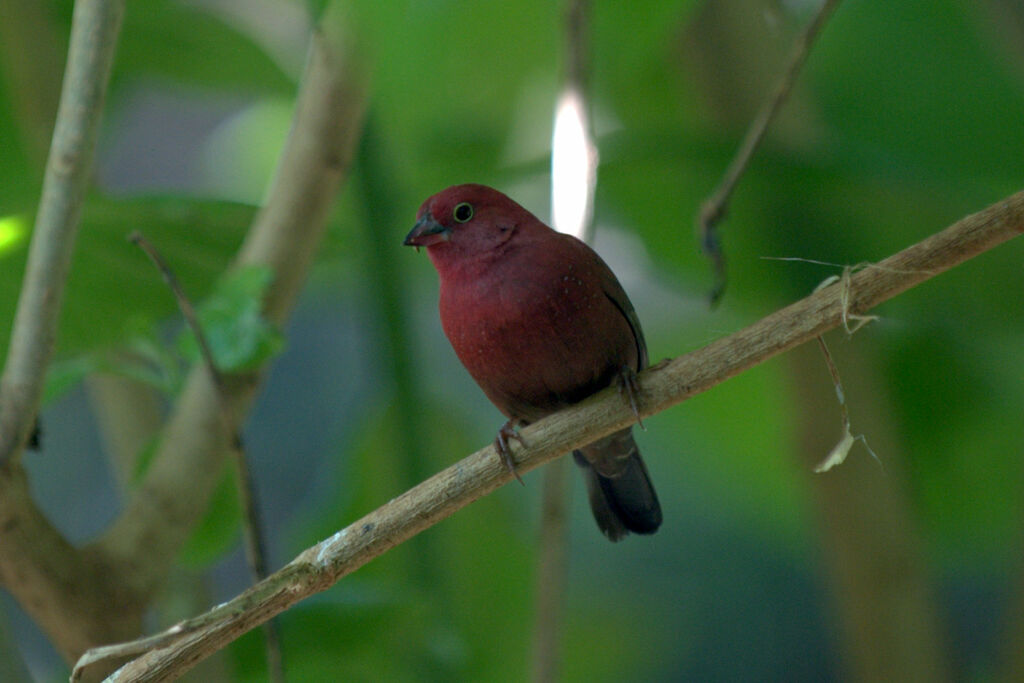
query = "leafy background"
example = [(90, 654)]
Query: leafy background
[(908, 116)]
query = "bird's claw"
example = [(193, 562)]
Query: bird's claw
[(628, 383), (509, 430)]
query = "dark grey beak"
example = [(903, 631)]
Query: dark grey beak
[(426, 232)]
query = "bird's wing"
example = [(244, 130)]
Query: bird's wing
[(617, 295)]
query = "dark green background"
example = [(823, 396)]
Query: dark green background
[(908, 116)]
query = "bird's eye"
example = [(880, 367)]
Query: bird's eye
[(463, 212)]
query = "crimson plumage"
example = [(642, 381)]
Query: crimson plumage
[(540, 322)]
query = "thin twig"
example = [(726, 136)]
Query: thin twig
[(184, 304), (663, 385), (714, 209), (252, 523), (315, 160), (129, 563), (94, 30), (256, 556), (552, 573)]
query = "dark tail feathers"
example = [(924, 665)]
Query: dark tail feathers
[(621, 495)]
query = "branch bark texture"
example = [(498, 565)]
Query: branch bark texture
[(661, 386), (37, 564), (94, 30), (285, 235), (112, 580)]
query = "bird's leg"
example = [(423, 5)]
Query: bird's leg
[(509, 430), (627, 383)]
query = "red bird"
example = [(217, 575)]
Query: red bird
[(540, 322)]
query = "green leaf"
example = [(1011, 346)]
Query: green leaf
[(143, 359), (65, 374), (183, 42), (232, 321), (113, 290)]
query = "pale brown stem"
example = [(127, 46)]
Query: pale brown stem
[(317, 154), (114, 578), (552, 573), (94, 29), (36, 562), (252, 518), (184, 304), (74, 596)]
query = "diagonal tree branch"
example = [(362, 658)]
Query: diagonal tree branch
[(73, 596), (94, 29), (37, 563), (661, 386), (285, 235), (113, 579)]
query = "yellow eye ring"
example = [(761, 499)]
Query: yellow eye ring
[(462, 212)]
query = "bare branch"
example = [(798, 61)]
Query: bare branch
[(124, 568), (36, 563), (661, 386), (552, 574), (184, 303), (715, 207), (285, 235), (319, 152), (69, 594), (252, 519), (94, 30)]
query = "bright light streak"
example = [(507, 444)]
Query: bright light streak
[(12, 231), (573, 167)]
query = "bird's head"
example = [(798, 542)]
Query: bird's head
[(467, 220)]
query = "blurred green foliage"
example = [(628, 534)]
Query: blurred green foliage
[(908, 116), (240, 339)]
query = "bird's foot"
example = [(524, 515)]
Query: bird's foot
[(509, 430), (628, 384)]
